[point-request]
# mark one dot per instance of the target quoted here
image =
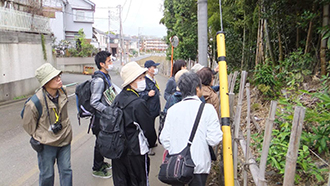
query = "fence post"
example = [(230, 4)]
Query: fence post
[(266, 143), (248, 131), (291, 156), (232, 82), (237, 123)]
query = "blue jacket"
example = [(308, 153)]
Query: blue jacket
[(170, 88), (173, 99)]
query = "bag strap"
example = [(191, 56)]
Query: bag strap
[(198, 117), (50, 123), (37, 104)]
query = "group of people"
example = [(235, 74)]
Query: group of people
[(140, 100)]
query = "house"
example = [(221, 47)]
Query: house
[(101, 41), (153, 44), (114, 40), (67, 17)]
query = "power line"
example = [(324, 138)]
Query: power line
[(124, 4), (138, 10), (114, 19), (129, 6)]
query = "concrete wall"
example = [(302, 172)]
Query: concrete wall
[(75, 64), (20, 55)]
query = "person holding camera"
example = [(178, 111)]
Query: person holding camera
[(51, 127)]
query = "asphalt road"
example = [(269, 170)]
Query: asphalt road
[(18, 162)]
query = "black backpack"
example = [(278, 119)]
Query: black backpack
[(83, 96), (112, 139)]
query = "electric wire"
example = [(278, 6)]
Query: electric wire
[(129, 6), (124, 4)]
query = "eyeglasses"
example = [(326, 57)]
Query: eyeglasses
[(57, 77)]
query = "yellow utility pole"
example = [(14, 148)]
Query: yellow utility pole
[(225, 116)]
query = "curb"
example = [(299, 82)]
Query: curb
[(8, 102), (13, 101)]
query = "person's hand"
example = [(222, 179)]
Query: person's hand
[(151, 93), (216, 69)]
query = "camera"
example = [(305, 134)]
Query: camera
[(56, 127)]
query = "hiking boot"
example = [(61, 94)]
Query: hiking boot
[(106, 166), (102, 174)]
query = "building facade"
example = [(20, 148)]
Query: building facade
[(67, 17), (153, 44)]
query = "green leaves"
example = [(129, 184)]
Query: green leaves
[(315, 137), (180, 18)]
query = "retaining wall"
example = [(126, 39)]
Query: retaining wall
[(20, 55)]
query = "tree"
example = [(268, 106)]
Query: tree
[(180, 18)]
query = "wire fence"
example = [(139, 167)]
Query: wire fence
[(11, 19)]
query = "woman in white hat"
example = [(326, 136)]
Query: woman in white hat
[(50, 126), (133, 167)]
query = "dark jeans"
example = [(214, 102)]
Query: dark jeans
[(131, 170), (46, 161), (98, 158), (199, 180)]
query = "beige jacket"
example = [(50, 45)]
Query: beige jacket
[(211, 97), (42, 132)]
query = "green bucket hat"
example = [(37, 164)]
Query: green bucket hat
[(45, 73)]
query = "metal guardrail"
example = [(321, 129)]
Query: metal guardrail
[(11, 19)]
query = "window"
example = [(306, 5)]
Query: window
[(83, 16)]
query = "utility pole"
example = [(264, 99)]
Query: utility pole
[(109, 48), (121, 36), (202, 32)]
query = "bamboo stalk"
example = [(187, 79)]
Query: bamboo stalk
[(232, 94), (231, 105), (233, 81), (237, 121), (248, 131), (292, 154), (266, 143), (254, 169), (255, 123), (230, 76)]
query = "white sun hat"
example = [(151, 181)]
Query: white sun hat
[(45, 73), (130, 72)]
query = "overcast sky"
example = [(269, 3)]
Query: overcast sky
[(143, 15)]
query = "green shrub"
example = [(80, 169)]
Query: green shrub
[(264, 79), (293, 70)]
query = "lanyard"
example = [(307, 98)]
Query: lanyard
[(132, 90), (106, 78), (56, 115), (156, 84), (153, 80)]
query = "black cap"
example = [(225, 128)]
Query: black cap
[(150, 63)]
